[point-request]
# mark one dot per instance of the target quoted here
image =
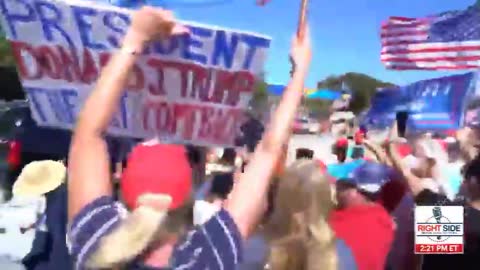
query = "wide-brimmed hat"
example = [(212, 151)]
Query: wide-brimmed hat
[(39, 177)]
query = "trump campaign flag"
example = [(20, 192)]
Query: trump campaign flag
[(446, 41), (440, 103), (384, 105), (432, 105)]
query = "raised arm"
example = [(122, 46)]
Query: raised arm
[(467, 138), (376, 150), (248, 198), (414, 183), (89, 163)]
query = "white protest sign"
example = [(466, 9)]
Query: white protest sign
[(192, 88)]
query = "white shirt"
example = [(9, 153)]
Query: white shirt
[(203, 211), (20, 212)]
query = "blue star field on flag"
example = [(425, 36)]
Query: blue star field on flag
[(456, 26)]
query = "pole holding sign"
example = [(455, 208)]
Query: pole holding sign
[(302, 18)]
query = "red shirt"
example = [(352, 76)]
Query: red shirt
[(368, 230)]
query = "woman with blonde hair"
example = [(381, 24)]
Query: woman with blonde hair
[(298, 229), (97, 221)]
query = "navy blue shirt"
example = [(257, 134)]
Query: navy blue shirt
[(49, 248), (214, 245)]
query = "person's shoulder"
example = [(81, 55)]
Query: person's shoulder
[(256, 249), (99, 207), (472, 215), (368, 208), (429, 197), (379, 209), (216, 244), (378, 213), (90, 225), (372, 215)]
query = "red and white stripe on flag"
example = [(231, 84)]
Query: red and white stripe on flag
[(407, 45)]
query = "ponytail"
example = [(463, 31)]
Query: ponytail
[(321, 251), (130, 239), (313, 248), (298, 230)]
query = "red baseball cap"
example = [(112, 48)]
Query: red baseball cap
[(157, 169), (342, 143), (359, 136)]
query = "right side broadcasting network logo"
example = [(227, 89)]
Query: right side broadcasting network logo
[(439, 229)]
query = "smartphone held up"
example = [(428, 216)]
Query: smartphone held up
[(401, 118)]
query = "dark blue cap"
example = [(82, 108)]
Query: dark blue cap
[(371, 176)]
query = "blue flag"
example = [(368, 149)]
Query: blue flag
[(435, 104)]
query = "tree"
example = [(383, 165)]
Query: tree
[(363, 87), (6, 56), (11, 86), (260, 94), (318, 107)]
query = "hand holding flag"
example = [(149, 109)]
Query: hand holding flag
[(301, 53), (301, 28)]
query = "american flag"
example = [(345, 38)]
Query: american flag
[(446, 41)]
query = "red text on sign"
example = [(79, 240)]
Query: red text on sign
[(197, 82)]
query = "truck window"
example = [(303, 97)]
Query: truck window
[(9, 119)]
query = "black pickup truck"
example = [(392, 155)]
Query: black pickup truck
[(23, 141)]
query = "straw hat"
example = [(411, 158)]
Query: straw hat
[(39, 177)]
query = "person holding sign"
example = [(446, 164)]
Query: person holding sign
[(94, 216)]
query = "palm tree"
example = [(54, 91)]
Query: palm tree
[(260, 93), (6, 57)]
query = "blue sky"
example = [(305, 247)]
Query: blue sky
[(344, 32)]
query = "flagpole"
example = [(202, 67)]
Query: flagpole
[(302, 18)]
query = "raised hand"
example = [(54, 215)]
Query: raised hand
[(89, 161), (393, 133), (150, 23), (263, 162), (301, 51)]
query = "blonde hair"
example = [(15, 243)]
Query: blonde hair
[(140, 228), (300, 235), (128, 240)]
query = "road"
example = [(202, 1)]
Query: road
[(320, 144)]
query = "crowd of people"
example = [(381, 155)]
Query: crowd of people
[(356, 213)]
